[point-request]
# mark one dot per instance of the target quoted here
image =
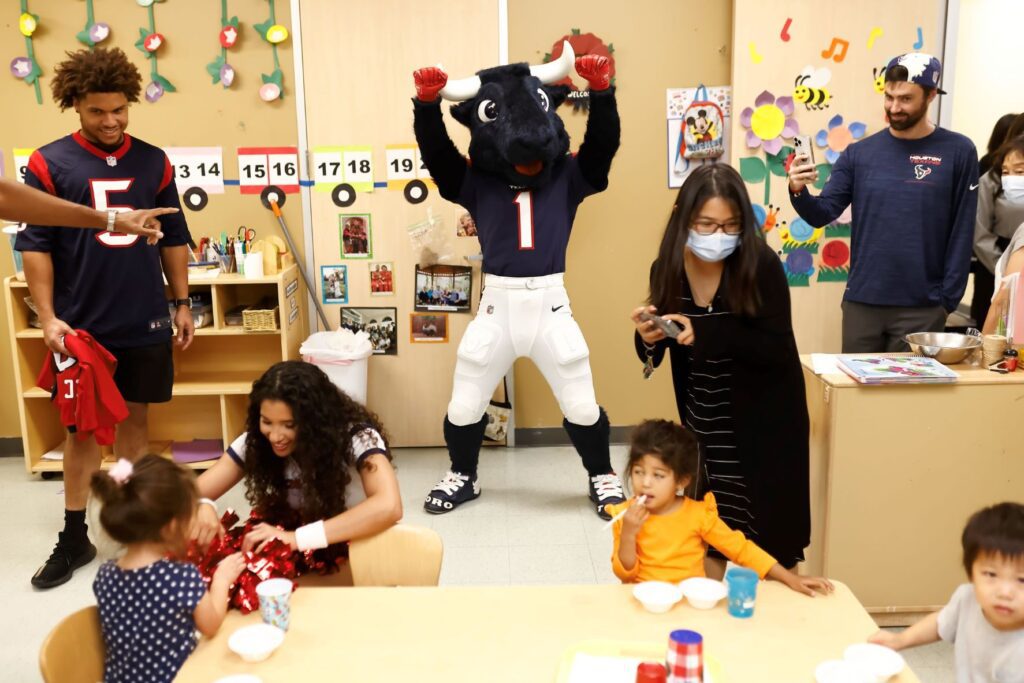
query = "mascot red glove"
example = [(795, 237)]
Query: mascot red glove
[(430, 81), (596, 70)]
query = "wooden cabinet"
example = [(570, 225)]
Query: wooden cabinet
[(212, 378), (895, 473)]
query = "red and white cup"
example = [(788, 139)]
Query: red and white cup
[(685, 657)]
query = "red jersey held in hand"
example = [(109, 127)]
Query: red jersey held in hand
[(82, 385)]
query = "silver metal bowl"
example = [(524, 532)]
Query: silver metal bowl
[(946, 347)]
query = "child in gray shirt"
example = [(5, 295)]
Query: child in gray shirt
[(985, 618)]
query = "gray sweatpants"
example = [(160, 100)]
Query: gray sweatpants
[(876, 329)]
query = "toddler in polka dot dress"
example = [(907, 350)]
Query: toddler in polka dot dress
[(150, 606)]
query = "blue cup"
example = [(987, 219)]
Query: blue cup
[(742, 584)]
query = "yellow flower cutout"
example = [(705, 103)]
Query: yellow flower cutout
[(27, 24), (277, 34)]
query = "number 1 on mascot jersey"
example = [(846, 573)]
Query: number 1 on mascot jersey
[(524, 202)]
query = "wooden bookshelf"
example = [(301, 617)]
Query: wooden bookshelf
[(212, 379)]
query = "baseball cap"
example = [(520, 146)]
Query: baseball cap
[(922, 68)]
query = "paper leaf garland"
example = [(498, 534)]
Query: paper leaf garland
[(149, 43), (219, 69), (26, 68), (94, 32), (273, 33)]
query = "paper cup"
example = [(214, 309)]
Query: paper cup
[(992, 348), (254, 265), (275, 596)]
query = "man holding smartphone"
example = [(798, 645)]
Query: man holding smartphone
[(913, 187)]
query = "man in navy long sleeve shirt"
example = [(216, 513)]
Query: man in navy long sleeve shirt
[(913, 187)]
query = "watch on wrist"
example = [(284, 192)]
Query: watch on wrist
[(111, 217), (183, 302)]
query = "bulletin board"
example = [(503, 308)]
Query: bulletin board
[(199, 114), (840, 48), (366, 116)]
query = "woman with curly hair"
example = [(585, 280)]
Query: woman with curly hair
[(305, 442)]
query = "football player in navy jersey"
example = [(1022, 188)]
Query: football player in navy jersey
[(103, 281), (522, 188)]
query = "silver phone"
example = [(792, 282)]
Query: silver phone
[(802, 147), (669, 327)]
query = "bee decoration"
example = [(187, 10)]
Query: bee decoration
[(879, 75), (809, 88)]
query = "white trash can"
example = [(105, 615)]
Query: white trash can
[(345, 368)]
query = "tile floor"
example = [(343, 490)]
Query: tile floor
[(532, 524)]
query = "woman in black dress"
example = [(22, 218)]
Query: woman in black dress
[(737, 377)]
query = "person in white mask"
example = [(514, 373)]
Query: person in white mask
[(1004, 198), (735, 369)]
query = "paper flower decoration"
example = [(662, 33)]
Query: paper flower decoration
[(835, 256), (94, 31), (768, 122), (270, 92), (27, 24), (99, 32), (227, 75), (229, 36), (277, 34), (799, 266), (153, 42), (144, 3), (21, 67), (838, 137), (800, 234), (154, 91)]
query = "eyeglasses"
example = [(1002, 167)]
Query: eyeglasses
[(706, 227)]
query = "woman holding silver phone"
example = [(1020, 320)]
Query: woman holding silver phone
[(737, 377)]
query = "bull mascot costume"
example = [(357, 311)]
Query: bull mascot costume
[(522, 188)]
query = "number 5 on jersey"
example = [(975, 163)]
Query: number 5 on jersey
[(524, 202)]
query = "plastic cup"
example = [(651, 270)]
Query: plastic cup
[(742, 584), (254, 265), (240, 257), (227, 263), (275, 597)]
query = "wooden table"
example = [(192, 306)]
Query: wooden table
[(895, 473), (520, 633)]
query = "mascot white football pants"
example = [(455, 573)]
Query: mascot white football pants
[(523, 317)]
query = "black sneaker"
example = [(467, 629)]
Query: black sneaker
[(451, 492), (66, 557), (606, 489)]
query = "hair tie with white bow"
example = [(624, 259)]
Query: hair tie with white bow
[(121, 471)]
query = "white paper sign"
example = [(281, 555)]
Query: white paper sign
[(358, 166), (284, 169), (328, 168), (401, 162), (253, 170), (198, 167), (21, 157)]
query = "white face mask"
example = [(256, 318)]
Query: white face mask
[(714, 247), (1013, 188)]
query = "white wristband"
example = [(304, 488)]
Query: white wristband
[(311, 537), (111, 216), (209, 501)]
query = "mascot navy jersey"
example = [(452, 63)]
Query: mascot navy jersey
[(524, 233), (110, 284)]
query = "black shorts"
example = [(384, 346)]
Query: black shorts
[(145, 374)]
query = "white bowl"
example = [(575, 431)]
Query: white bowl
[(255, 643), (657, 596), (877, 661), (703, 593), (839, 671), (240, 678)]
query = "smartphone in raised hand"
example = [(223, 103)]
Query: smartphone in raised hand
[(802, 147)]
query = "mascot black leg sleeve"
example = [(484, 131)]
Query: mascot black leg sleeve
[(591, 442), (464, 445)]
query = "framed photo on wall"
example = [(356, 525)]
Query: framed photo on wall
[(443, 288), (382, 278), (334, 284), (380, 323), (356, 235), (428, 328)]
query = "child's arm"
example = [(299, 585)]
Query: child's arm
[(801, 584), (210, 611), (624, 561), (923, 632)]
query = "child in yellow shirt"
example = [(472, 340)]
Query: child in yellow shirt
[(665, 537)]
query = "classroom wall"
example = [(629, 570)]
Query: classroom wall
[(988, 79), (199, 114), (658, 44)]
